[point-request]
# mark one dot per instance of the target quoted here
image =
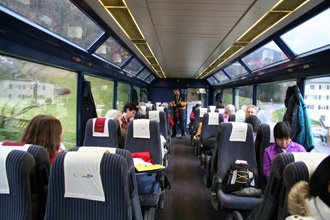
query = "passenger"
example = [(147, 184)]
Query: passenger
[(312, 201), (192, 116), (199, 131), (171, 122), (178, 105), (46, 131), (255, 122), (229, 110), (116, 114), (283, 144), (250, 110), (129, 112), (220, 104)]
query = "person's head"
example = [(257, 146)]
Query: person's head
[(130, 110), (197, 106), (164, 104), (282, 134), (254, 121), (44, 130), (177, 92), (320, 181), (250, 110), (229, 109)]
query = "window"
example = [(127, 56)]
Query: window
[(271, 103), (235, 70), (59, 16), (227, 95), (133, 67), (138, 91), (19, 106), (150, 78), (123, 95), (221, 77), (310, 106), (312, 87), (307, 37), (243, 96), (102, 90), (113, 52), (264, 56), (212, 80), (143, 74)]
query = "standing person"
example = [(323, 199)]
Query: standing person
[(283, 144), (46, 131), (178, 105)]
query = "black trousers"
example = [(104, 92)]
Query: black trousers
[(179, 122)]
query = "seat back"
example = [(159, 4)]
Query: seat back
[(159, 116), (264, 138), (211, 108), (199, 117), (211, 122), (20, 167), (114, 172), (302, 169), (151, 144), (108, 138), (167, 118)]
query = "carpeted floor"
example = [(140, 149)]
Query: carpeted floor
[(188, 199)]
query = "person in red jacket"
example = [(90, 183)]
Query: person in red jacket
[(46, 131)]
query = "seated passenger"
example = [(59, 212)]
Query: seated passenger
[(192, 116), (250, 110), (255, 122), (46, 131), (229, 110), (283, 144), (116, 114), (199, 131), (220, 104), (129, 112), (312, 200)]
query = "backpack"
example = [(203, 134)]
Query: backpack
[(241, 180)]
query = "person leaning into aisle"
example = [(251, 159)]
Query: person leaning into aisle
[(178, 105)]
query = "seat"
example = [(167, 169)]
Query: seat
[(211, 122), (18, 204), (114, 176), (198, 118), (108, 138), (132, 180), (302, 169), (233, 145), (211, 108), (39, 179), (270, 203), (264, 139), (167, 120)]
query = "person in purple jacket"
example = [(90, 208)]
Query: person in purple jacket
[(283, 144)]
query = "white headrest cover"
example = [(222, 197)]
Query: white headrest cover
[(105, 132), (212, 108), (239, 131), (141, 128), (221, 110), (271, 135), (240, 116), (202, 111), (160, 108), (111, 150), (158, 103), (143, 110), (154, 115), (149, 106), (213, 118), (312, 160), (4, 151), (82, 174)]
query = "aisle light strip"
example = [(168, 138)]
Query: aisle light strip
[(206, 72), (138, 42)]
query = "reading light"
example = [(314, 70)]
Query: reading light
[(277, 13), (121, 14)]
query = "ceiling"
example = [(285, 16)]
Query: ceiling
[(186, 36)]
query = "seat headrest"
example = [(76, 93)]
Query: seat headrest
[(141, 128), (202, 111), (312, 160), (154, 115), (160, 108), (149, 106), (212, 108), (239, 131), (158, 103), (100, 127), (143, 110), (213, 118), (82, 168), (240, 116), (111, 150), (271, 134)]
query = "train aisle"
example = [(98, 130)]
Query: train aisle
[(189, 198)]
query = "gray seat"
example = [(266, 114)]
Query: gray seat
[(110, 140), (228, 153), (162, 122), (263, 140), (167, 120), (115, 176), (19, 204)]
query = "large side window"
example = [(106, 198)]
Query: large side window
[(123, 94), (227, 96), (29, 89), (318, 108), (243, 96), (270, 101), (102, 90)]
